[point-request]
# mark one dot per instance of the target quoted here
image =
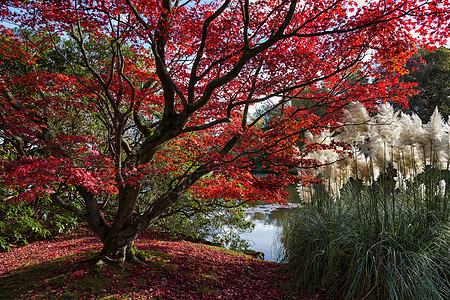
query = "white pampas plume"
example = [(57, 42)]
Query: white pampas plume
[(388, 139), (334, 189), (435, 128), (387, 125), (446, 164), (356, 123), (436, 144), (411, 142), (328, 159), (410, 130)]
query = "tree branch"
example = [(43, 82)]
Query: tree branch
[(206, 126), (58, 200), (193, 77)]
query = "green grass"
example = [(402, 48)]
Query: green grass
[(371, 245)]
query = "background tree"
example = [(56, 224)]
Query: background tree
[(24, 221), (431, 71), (170, 96)]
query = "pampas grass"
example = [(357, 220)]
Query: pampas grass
[(368, 244), (378, 225), (387, 139)]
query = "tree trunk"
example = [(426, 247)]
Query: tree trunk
[(119, 247), (118, 242)]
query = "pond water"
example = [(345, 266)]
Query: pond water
[(268, 221), (263, 238)]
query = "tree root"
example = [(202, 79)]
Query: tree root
[(102, 260), (107, 261)]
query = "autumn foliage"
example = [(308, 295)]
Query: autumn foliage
[(116, 110), (176, 270)]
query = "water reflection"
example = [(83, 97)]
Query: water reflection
[(267, 222), (268, 219)]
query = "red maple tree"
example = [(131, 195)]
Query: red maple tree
[(142, 91)]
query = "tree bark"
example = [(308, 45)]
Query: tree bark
[(120, 247)]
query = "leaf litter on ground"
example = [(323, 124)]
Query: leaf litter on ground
[(176, 269)]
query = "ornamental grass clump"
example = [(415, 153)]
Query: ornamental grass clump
[(378, 225), (370, 244)]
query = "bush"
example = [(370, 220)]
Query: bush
[(372, 244), (208, 223), (21, 222)]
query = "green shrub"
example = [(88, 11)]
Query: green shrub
[(371, 244), (209, 223), (21, 222)]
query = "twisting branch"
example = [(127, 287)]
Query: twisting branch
[(249, 98), (193, 77), (105, 85), (246, 55), (158, 43), (246, 15), (58, 200), (207, 125)]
